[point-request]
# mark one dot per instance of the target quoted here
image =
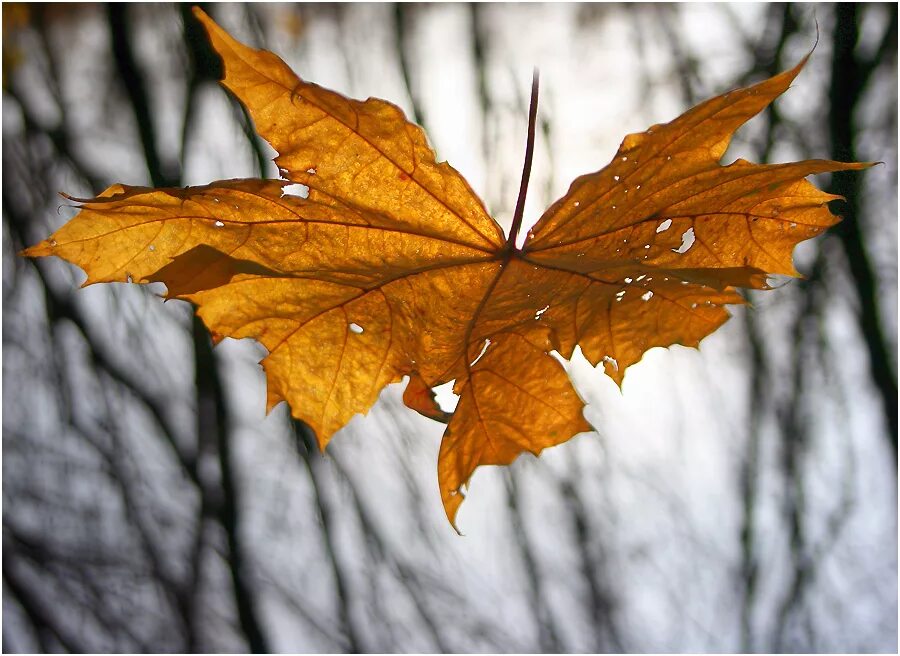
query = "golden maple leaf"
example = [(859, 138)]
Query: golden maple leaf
[(392, 267)]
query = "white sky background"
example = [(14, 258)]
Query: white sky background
[(661, 473)]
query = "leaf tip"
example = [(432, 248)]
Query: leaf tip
[(452, 500), (612, 369), (40, 249), (584, 425), (212, 28), (273, 398), (199, 14), (420, 397)]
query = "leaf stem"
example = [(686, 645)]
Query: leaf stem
[(526, 168)]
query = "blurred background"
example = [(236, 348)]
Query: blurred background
[(742, 497)]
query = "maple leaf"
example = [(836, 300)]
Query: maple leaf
[(392, 267)]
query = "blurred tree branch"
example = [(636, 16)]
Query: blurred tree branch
[(849, 77)]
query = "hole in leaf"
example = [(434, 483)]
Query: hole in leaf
[(687, 240), (356, 329), (151, 248), (537, 315), (647, 295), (295, 190), (444, 396), (665, 225), (219, 224), (484, 349)]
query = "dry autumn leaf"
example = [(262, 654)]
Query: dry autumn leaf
[(392, 267)]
